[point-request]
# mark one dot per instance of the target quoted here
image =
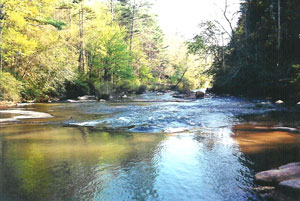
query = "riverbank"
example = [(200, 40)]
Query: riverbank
[(7, 104)]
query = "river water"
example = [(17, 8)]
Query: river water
[(148, 148)]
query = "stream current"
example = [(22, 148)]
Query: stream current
[(147, 147)]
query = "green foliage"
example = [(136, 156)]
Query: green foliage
[(57, 24), (10, 88), (127, 85), (70, 48)]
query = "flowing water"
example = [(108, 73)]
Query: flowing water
[(143, 150)]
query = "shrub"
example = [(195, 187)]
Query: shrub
[(78, 87), (103, 90), (127, 85), (10, 88), (142, 89)]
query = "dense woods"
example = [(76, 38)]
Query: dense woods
[(263, 56), (67, 48)]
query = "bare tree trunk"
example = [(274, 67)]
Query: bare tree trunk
[(181, 77), (70, 17), (223, 52), (279, 26), (226, 18), (279, 33), (246, 25), (81, 54), (112, 10), (132, 25)]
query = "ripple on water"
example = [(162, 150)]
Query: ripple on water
[(51, 162), (171, 116)]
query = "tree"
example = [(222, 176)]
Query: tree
[(260, 57)]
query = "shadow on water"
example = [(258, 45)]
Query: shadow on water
[(171, 151)]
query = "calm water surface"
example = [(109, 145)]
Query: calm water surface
[(142, 151)]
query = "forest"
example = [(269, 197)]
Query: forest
[(262, 58), (67, 48), (100, 101)]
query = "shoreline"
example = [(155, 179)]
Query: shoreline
[(7, 104)]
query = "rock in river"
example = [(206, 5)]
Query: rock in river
[(279, 102), (286, 172), (290, 185), (200, 94)]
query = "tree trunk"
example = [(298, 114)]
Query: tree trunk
[(132, 25), (112, 10), (70, 17), (279, 26), (181, 77), (81, 51), (279, 33)]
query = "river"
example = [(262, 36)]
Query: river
[(148, 147)]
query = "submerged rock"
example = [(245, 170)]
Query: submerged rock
[(290, 185), (24, 114), (289, 165), (264, 189), (178, 96), (286, 181), (287, 172)]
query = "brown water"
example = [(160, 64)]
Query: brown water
[(127, 151)]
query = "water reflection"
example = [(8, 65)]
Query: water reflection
[(269, 149), (53, 163), (213, 160)]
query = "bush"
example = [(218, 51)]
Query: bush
[(78, 87), (185, 87), (10, 88), (127, 85), (103, 90), (142, 89)]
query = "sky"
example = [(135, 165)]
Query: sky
[(182, 17)]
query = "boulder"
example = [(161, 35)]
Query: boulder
[(264, 189), (199, 94), (86, 97), (286, 172), (178, 96), (286, 129), (279, 102), (290, 185), (289, 165)]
